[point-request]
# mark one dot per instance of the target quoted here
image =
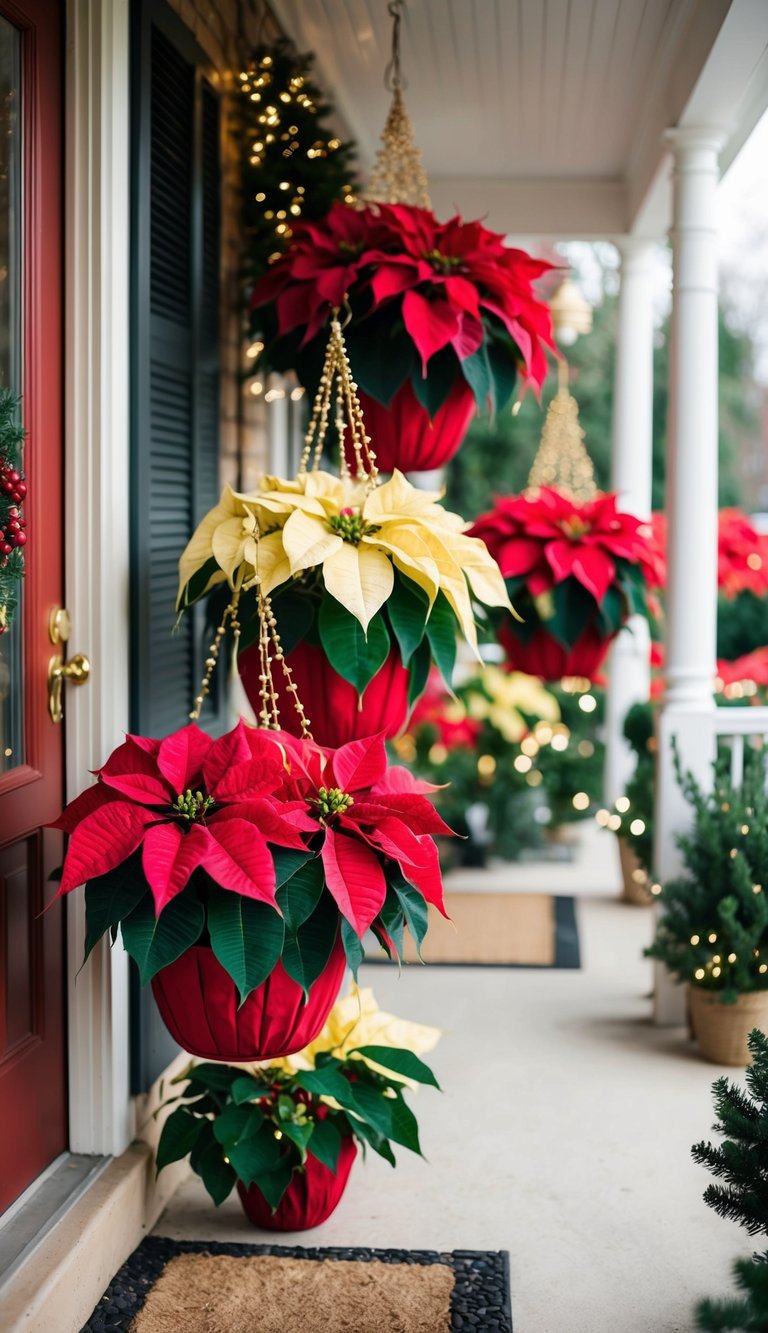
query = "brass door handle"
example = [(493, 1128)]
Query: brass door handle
[(77, 671)]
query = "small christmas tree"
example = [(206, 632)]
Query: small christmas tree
[(294, 165), (741, 1163), (13, 491), (714, 931)]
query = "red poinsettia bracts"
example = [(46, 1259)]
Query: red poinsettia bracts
[(435, 708), (547, 537), (366, 812), (189, 802), (443, 278)]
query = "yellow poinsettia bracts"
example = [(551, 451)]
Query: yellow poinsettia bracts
[(356, 535), (502, 697), (357, 1021)]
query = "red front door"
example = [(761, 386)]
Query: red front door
[(33, 1095)]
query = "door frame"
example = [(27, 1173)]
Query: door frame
[(96, 490)]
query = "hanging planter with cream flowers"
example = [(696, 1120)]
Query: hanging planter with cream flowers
[(370, 582)]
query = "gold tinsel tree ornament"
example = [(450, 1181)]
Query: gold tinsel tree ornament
[(562, 460), (397, 175)]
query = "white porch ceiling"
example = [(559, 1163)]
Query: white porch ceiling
[(547, 115)]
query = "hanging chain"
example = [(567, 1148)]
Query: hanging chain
[(270, 648), (393, 76), (349, 414)]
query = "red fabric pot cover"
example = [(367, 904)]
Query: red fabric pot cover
[(309, 1199), (404, 436), (545, 657), (330, 702), (198, 1002)]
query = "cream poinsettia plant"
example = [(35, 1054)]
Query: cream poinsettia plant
[(378, 568)]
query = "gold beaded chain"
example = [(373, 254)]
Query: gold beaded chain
[(336, 370), (269, 647)]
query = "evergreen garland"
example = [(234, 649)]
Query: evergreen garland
[(293, 164), (714, 931), (13, 491), (741, 1163)]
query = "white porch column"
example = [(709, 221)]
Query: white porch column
[(631, 474), (688, 710)]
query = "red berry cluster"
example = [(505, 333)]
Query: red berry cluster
[(13, 490)]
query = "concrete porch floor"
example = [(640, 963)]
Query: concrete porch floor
[(563, 1133)]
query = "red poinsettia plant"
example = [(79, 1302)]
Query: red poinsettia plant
[(576, 569), (742, 553), (444, 315), (259, 845)]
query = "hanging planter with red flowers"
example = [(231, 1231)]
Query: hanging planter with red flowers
[(444, 316), (243, 871), (577, 570), (370, 582)]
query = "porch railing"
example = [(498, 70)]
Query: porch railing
[(737, 726)]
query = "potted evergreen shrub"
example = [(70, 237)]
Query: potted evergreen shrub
[(286, 1134), (740, 1164), (713, 934)]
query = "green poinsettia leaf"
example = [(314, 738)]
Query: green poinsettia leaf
[(154, 942), (389, 1116), (407, 608), (300, 884), (299, 1135), (307, 950), (178, 1137), (247, 1089), (353, 947), (216, 1173), (273, 1184), (574, 607), (237, 1123), (366, 1134), (433, 389), (413, 906), (441, 632), (325, 1144), (246, 937), (255, 1155), (110, 898), (477, 372), (355, 656), (503, 356), (382, 357), (421, 663), (398, 1062), (295, 613)]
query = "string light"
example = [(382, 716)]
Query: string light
[(637, 827), (622, 804), (699, 974), (581, 801), (694, 940)]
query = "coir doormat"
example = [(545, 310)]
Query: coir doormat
[(499, 930), (208, 1287)]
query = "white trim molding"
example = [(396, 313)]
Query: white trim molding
[(96, 529)]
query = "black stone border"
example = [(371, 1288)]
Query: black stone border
[(481, 1295)]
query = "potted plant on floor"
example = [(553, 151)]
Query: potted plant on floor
[(713, 933), (631, 818), (287, 1134), (243, 873), (740, 1164)]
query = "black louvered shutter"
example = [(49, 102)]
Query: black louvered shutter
[(175, 392)]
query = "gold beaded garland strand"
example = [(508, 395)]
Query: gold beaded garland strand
[(337, 371)]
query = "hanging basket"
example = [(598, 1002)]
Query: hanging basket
[(337, 714), (721, 1030), (408, 438), (200, 1006), (544, 656), (313, 1194)]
